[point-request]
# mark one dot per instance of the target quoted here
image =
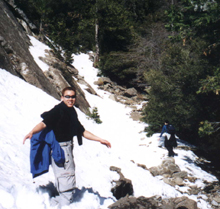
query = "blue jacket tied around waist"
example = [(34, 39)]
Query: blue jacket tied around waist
[(42, 144)]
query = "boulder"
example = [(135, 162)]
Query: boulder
[(123, 186), (217, 198), (171, 172), (184, 202), (154, 171), (102, 81), (113, 97), (181, 174), (131, 92), (135, 115), (178, 181), (155, 202), (194, 190), (137, 203)]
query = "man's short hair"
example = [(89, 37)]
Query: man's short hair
[(166, 121), (70, 88)]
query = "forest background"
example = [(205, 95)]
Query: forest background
[(169, 50)]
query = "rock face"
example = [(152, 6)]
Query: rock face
[(15, 57), (62, 75), (14, 52)]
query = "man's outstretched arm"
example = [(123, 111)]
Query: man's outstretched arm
[(90, 136), (39, 127)]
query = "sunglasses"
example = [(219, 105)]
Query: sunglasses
[(68, 97)]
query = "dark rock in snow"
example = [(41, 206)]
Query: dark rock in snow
[(123, 186)]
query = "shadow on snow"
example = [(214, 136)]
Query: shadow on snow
[(77, 196)]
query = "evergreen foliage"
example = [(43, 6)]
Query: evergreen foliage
[(179, 88), (94, 115), (70, 24), (173, 90)]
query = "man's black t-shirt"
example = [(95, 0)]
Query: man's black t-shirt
[(64, 122)]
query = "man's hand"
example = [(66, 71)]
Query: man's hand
[(106, 143), (39, 127), (90, 136), (28, 136)]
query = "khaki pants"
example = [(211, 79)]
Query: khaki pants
[(65, 175)]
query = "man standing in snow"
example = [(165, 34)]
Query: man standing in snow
[(170, 139), (63, 120)]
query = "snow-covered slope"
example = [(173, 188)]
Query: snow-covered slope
[(20, 109)]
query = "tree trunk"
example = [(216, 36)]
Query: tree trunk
[(96, 58), (41, 36)]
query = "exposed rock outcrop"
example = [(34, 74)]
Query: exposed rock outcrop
[(154, 202), (16, 58), (129, 97), (172, 175), (62, 75), (14, 52), (123, 186)]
